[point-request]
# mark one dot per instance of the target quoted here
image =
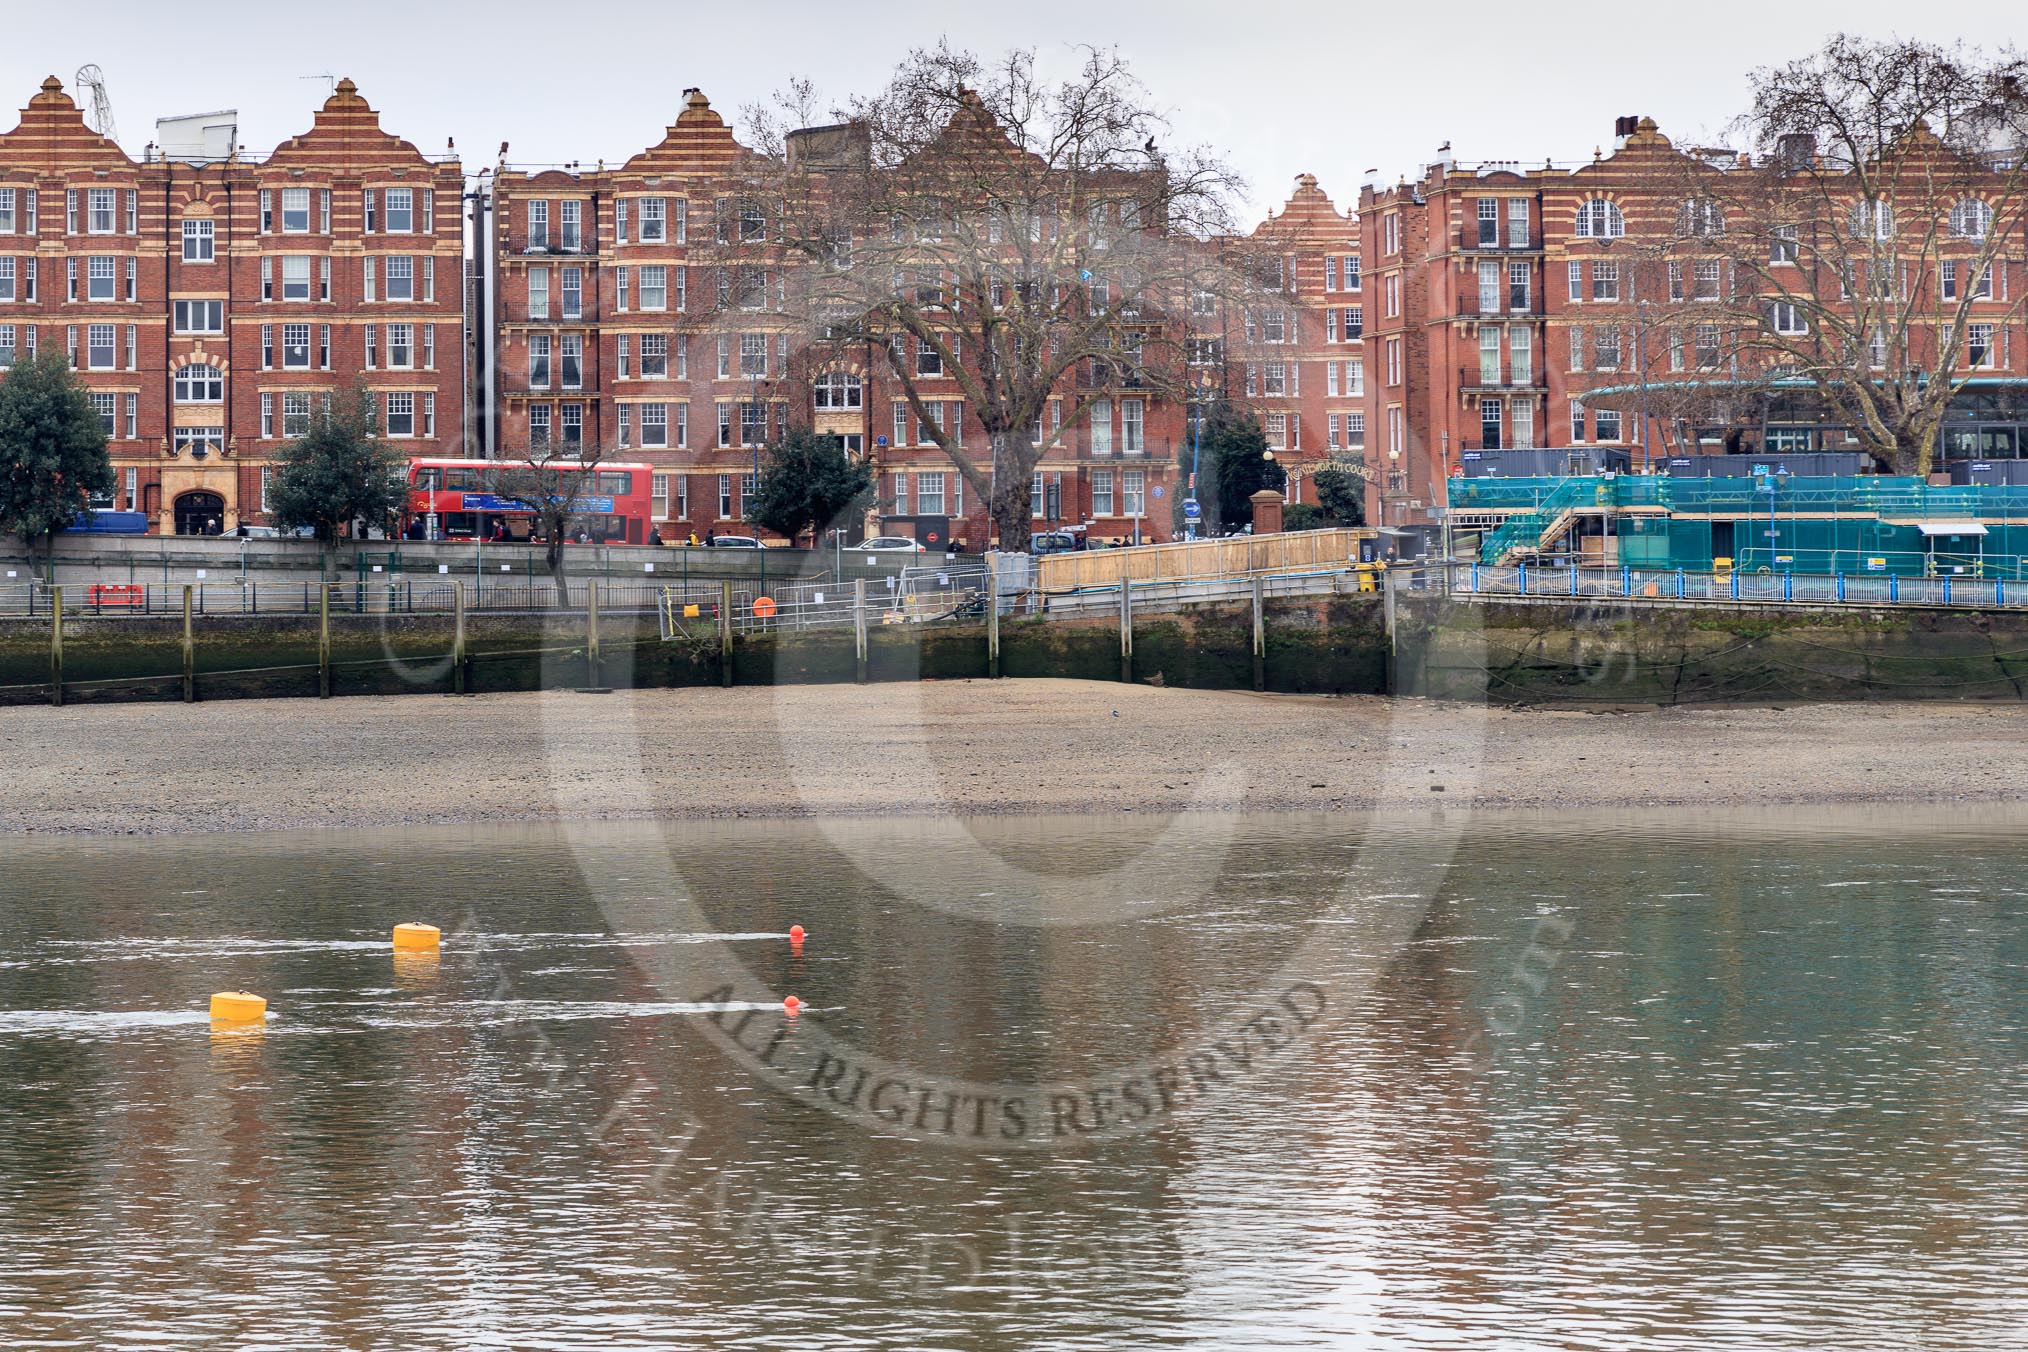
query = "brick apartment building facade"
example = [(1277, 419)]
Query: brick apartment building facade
[(207, 301), (1300, 360), (611, 332), (1455, 329), (651, 310), (1515, 310)]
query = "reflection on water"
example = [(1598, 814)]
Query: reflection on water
[(1637, 1083)]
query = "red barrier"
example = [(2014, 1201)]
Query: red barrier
[(102, 594)]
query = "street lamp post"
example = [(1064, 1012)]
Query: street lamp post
[(760, 419), (1192, 512)]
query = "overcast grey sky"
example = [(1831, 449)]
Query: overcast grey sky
[(1283, 86)]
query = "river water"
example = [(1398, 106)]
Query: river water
[(1648, 1081)]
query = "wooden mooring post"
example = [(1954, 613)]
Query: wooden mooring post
[(725, 633), (1126, 627), (324, 641), (189, 650), (1259, 632), (859, 628), (458, 683), (993, 616), (56, 646)]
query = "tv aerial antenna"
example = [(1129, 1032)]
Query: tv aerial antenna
[(100, 118)]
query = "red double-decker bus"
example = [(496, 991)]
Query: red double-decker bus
[(613, 506)]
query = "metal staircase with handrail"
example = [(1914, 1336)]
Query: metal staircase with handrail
[(1529, 532)]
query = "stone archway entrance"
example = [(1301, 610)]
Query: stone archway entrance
[(200, 513)]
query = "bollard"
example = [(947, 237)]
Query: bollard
[(859, 628), (458, 685), (725, 633), (324, 642), (1259, 632), (594, 666), (993, 616), (189, 652), (55, 646)]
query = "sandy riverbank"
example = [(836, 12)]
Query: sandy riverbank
[(970, 747)]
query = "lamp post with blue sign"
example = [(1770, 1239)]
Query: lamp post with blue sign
[(1192, 511)]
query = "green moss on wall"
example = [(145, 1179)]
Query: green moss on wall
[(1322, 644)]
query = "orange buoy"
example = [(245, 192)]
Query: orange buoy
[(795, 934), (792, 1004), (763, 607), (414, 938), (238, 1007)]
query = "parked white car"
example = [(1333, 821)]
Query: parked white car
[(899, 543), (736, 542)]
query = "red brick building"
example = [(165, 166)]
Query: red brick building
[(650, 310), (610, 330), (1455, 328), (1610, 305), (1301, 357), (208, 300)]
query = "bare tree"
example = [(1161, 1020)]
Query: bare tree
[(997, 237), (1852, 251), (557, 484)]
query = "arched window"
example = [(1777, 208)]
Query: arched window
[(1700, 216), (200, 385), (837, 390), (1971, 219), (1600, 219), (1872, 219)]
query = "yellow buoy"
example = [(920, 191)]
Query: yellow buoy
[(413, 938), (238, 1007)]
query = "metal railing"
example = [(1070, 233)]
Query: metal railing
[(1172, 595), (378, 596), (918, 596), (1670, 586), (1525, 532), (1872, 495)]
